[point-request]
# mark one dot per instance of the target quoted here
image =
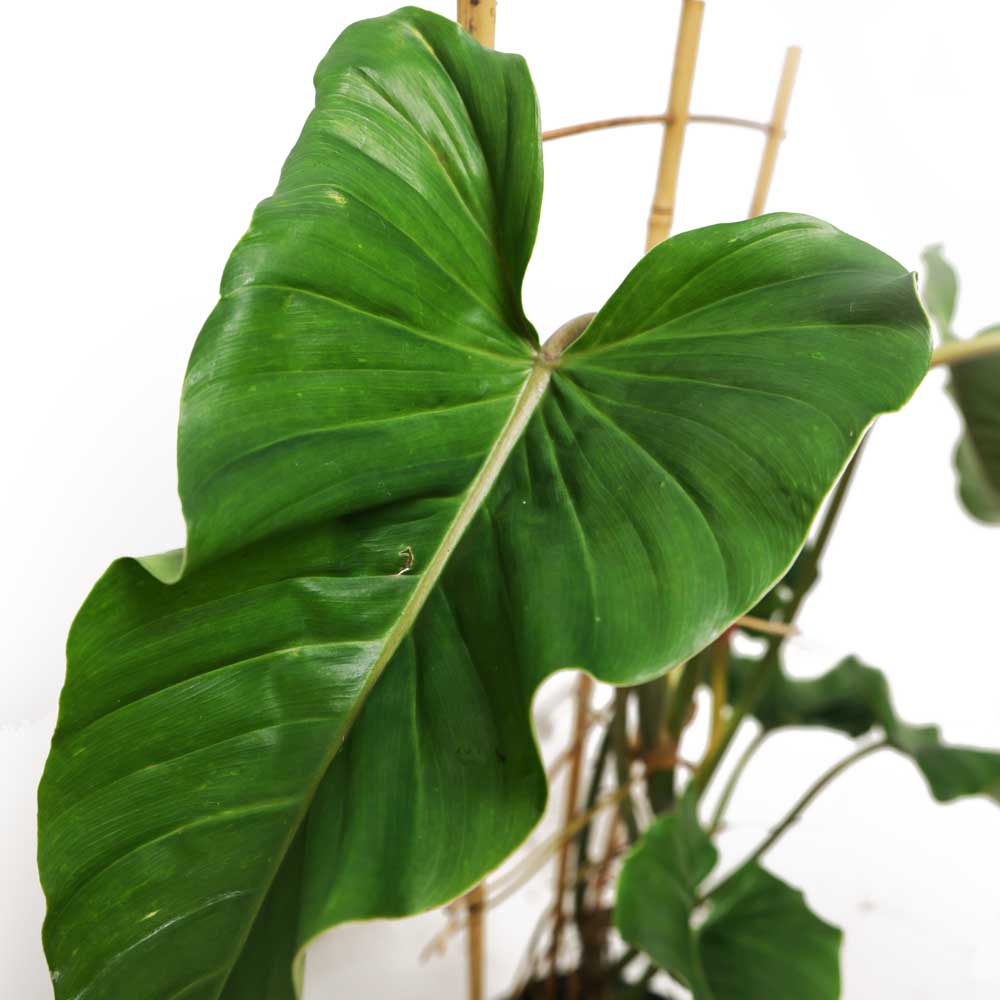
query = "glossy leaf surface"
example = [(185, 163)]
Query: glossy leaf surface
[(402, 516), (854, 698), (755, 939)]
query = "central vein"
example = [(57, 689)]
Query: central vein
[(524, 406)]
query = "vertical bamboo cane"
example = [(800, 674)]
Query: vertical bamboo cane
[(479, 18), (777, 130), (584, 694), (475, 899), (661, 215)]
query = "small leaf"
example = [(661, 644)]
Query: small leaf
[(939, 291), (854, 698), (754, 939), (975, 387)]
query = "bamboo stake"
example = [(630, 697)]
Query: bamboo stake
[(777, 130), (665, 119), (661, 215), (479, 18), (474, 901), (584, 694)]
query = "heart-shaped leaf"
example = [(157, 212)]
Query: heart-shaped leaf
[(854, 698), (403, 515), (726, 948)]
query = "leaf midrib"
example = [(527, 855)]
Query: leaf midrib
[(525, 403)]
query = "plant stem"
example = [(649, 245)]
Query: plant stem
[(623, 761), (734, 777), (718, 672), (957, 351), (656, 744), (679, 704), (677, 713), (796, 811)]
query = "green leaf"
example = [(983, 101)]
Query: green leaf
[(854, 698), (402, 517), (975, 387), (940, 291), (724, 949)]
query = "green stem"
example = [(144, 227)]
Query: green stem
[(623, 760), (957, 351), (800, 806), (734, 777), (583, 837), (652, 698), (679, 705), (718, 673), (677, 711)]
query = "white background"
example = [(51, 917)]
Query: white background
[(137, 139)]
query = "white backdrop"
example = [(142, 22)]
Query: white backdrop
[(138, 138)]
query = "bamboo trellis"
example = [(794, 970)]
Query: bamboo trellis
[(478, 17)]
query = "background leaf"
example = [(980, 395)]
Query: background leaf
[(754, 938), (939, 291), (854, 698), (288, 718), (975, 387)]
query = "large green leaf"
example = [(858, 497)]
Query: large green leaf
[(755, 938), (854, 698), (402, 516), (975, 387)]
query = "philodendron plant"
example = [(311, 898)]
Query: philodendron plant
[(404, 512)]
